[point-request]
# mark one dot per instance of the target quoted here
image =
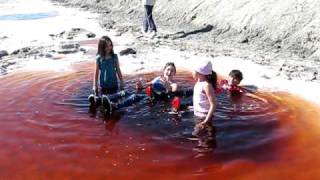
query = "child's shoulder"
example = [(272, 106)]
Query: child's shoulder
[(202, 84), (207, 85), (156, 79)]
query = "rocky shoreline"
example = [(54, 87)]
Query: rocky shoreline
[(179, 32), (64, 45), (209, 39), (47, 38)]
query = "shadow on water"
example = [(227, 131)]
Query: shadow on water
[(245, 127)]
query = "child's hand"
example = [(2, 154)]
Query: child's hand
[(173, 87), (201, 125), (139, 85), (224, 84), (95, 90)]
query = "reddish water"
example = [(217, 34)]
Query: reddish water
[(46, 133)]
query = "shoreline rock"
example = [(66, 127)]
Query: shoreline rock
[(3, 53)]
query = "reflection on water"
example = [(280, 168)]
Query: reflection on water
[(47, 132), (31, 16)]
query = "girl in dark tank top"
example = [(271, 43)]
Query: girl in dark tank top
[(107, 69)]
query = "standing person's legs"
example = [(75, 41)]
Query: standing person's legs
[(206, 134), (116, 96), (145, 20), (149, 17), (152, 25)]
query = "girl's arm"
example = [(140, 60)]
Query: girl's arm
[(208, 89), (119, 73), (173, 87), (95, 78)]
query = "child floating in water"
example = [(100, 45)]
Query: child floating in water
[(160, 88), (162, 85)]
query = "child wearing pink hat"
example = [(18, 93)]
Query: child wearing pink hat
[(204, 104)]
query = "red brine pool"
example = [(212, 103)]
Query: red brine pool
[(46, 132)]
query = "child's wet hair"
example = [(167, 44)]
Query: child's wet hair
[(237, 74), (103, 44), (212, 79), (170, 64)]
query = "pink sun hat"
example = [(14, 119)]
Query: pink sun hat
[(203, 67)]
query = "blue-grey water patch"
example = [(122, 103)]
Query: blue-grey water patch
[(6, 1), (31, 16)]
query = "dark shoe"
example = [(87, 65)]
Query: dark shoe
[(98, 101), (92, 100), (106, 104)]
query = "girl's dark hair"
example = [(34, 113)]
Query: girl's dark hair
[(102, 46), (237, 74), (212, 79), (170, 64)]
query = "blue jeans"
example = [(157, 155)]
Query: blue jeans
[(129, 99), (148, 21), (135, 97)]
